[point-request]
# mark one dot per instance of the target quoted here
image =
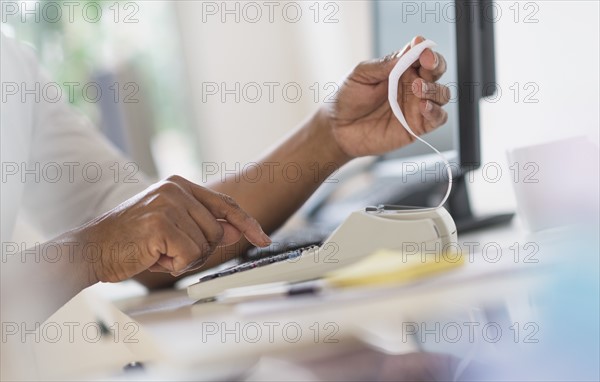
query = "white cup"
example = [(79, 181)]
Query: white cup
[(555, 183)]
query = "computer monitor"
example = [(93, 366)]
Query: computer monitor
[(464, 32)]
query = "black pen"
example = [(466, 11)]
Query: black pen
[(270, 291)]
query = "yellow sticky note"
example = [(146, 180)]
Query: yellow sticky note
[(393, 267)]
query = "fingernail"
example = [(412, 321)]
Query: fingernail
[(266, 239), (415, 88), (424, 87), (435, 59), (428, 106)]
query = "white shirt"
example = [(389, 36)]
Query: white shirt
[(45, 146), (55, 164)]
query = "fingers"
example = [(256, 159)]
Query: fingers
[(177, 249), (415, 41), (206, 237), (224, 207), (433, 114), (431, 65), (213, 233), (373, 72), (435, 92), (231, 235), (174, 226), (158, 268), (208, 224), (187, 225), (185, 246)]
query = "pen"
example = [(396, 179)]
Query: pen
[(270, 291)]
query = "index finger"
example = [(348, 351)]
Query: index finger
[(432, 65), (225, 207)]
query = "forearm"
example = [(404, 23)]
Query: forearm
[(38, 281), (283, 180)]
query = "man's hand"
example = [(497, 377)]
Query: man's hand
[(171, 227), (361, 119)]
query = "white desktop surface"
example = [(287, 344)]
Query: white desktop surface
[(181, 335)]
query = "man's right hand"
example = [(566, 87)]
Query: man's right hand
[(173, 227)]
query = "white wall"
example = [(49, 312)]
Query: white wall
[(304, 52), (558, 53)]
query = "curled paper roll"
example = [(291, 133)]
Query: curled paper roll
[(405, 62)]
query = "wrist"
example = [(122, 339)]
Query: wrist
[(325, 138), (82, 253)]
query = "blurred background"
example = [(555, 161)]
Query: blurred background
[(173, 67), (191, 84)]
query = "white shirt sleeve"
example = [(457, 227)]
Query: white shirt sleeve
[(67, 171)]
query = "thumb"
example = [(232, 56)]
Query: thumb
[(378, 70), (373, 72), (231, 235)]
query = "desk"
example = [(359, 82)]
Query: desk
[(209, 341)]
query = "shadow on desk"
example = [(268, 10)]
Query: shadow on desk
[(365, 365)]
